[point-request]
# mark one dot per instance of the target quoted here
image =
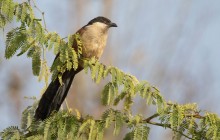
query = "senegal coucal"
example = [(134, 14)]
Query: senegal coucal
[(93, 37)]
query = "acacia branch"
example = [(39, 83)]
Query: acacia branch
[(168, 126), (151, 117), (148, 120)]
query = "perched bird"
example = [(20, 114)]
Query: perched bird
[(93, 37)]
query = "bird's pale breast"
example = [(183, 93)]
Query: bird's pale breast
[(94, 41)]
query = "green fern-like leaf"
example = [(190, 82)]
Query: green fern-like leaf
[(2, 21), (141, 132), (36, 60), (74, 59), (32, 28), (128, 102), (119, 121), (94, 70), (129, 136), (92, 132), (16, 38), (51, 39), (174, 117), (61, 130), (129, 85), (72, 126), (7, 9), (161, 105), (71, 56), (100, 74), (57, 44), (11, 132), (120, 97), (108, 94), (213, 122), (47, 129), (100, 130), (84, 129), (18, 11), (25, 47), (40, 34), (24, 122), (149, 98), (79, 43), (44, 73), (135, 120), (6, 12), (142, 88), (24, 11), (108, 117), (31, 51)]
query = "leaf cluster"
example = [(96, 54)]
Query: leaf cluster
[(32, 38)]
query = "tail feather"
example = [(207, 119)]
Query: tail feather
[(54, 96)]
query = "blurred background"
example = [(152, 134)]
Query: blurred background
[(174, 45)]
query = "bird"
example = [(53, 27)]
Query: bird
[(94, 38)]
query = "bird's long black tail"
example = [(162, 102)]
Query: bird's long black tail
[(54, 96)]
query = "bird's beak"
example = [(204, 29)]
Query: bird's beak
[(113, 25)]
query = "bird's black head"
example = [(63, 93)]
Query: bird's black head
[(102, 20)]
